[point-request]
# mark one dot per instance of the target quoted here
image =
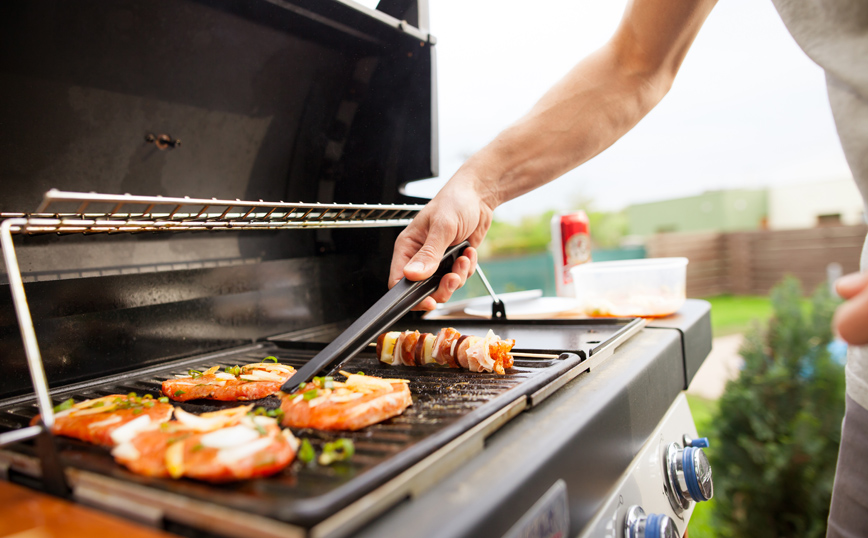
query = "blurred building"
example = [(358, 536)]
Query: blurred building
[(826, 203), (719, 211), (788, 207)]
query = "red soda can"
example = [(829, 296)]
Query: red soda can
[(571, 246)]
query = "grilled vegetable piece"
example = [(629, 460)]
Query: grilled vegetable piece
[(326, 404), (248, 382), (222, 446), (448, 348), (104, 421)]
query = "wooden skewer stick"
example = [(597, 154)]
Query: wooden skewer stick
[(514, 354)]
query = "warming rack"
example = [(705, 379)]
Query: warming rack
[(67, 212), (64, 212)]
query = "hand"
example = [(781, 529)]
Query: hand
[(851, 318), (457, 213)]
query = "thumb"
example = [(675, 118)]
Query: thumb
[(424, 263)]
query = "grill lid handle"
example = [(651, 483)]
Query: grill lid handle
[(387, 310)]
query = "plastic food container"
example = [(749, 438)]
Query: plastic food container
[(648, 288)]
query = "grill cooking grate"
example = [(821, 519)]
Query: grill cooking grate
[(446, 403)]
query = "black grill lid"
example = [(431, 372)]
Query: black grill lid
[(269, 100)]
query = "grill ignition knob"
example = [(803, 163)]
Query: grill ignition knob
[(638, 525), (687, 474)]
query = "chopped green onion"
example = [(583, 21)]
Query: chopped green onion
[(98, 404), (64, 405), (148, 403), (260, 429), (306, 452), (137, 411), (163, 399), (329, 383), (147, 397), (179, 392), (234, 370), (197, 447), (276, 413), (311, 394), (301, 386), (340, 450), (165, 426), (273, 359), (131, 396), (360, 373), (194, 373)]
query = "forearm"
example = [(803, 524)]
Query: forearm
[(595, 104), (585, 113)]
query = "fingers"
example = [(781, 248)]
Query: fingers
[(423, 264), (849, 285), (462, 269), (851, 319)]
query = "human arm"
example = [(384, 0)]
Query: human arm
[(851, 318), (596, 103)]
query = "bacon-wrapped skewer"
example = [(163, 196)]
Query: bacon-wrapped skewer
[(447, 348)]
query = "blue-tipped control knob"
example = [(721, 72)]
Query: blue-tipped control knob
[(697, 474), (702, 442), (638, 525), (687, 476)]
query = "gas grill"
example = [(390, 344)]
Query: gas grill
[(212, 113)]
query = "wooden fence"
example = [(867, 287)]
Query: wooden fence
[(753, 262)]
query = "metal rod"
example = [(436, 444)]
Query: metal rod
[(498, 310), (21, 434), (25, 322), (54, 196)]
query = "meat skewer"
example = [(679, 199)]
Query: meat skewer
[(513, 353), (446, 348)]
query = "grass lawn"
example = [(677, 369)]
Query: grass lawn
[(733, 314)]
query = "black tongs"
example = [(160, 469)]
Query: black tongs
[(387, 310)]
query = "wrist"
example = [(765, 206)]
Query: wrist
[(484, 174)]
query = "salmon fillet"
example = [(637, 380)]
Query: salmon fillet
[(248, 382), (325, 404), (222, 446), (98, 420)]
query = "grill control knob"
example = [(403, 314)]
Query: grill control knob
[(638, 525), (687, 475), (701, 442)]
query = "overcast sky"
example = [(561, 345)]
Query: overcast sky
[(748, 108)]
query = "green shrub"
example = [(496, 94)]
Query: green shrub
[(779, 424)]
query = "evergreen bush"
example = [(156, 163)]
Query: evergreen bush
[(778, 425)]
